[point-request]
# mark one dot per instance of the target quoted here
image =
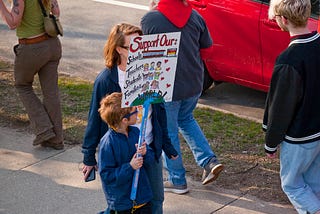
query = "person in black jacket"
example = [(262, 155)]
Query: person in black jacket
[(292, 115)]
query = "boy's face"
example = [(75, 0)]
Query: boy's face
[(132, 116)]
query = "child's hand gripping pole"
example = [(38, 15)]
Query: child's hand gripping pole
[(141, 140)]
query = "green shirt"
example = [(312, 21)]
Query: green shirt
[(32, 20)]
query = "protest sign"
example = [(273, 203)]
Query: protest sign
[(149, 77), (151, 68)]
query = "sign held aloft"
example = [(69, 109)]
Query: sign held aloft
[(149, 77), (151, 68)]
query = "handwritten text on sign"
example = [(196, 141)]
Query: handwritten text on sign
[(151, 68)]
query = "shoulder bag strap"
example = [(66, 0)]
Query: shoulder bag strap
[(42, 8)]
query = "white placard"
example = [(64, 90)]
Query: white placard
[(151, 69)]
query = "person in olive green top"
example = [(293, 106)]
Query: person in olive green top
[(37, 53)]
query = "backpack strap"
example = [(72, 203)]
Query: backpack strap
[(42, 8)]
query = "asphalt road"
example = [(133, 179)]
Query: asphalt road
[(235, 99), (86, 25)]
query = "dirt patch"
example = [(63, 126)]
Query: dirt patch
[(249, 174)]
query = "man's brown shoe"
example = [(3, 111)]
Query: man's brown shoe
[(57, 146), (47, 135)]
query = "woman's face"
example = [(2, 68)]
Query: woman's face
[(124, 49)]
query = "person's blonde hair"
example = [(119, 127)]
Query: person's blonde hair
[(110, 110), (117, 38), (296, 11)]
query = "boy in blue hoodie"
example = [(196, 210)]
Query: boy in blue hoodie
[(118, 159)]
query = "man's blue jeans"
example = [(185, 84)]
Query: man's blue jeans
[(300, 175), (180, 118)]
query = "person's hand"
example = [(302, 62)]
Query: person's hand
[(142, 150), (153, 4), (174, 157), (136, 162), (87, 169), (272, 156)]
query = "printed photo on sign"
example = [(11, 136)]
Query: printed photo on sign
[(151, 69)]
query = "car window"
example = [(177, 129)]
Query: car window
[(265, 1)]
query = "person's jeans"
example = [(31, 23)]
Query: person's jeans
[(180, 118), (156, 181), (300, 175), (42, 59)]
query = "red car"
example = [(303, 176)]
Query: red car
[(246, 42)]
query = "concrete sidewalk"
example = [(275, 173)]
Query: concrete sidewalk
[(44, 181)]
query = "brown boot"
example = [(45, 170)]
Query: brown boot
[(57, 146), (47, 135)]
